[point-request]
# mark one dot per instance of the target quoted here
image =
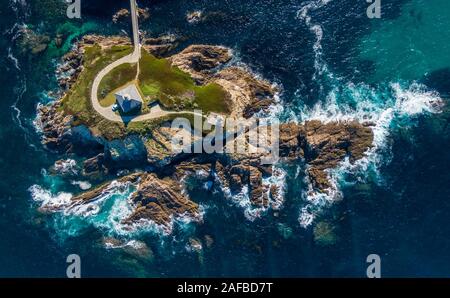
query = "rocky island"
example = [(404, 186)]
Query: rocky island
[(223, 138), (70, 126), (137, 146)]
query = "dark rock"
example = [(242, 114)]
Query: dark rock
[(199, 60), (160, 200), (324, 146), (95, 166), (29, 41), (59, 40), (257, 106), (194, 17), (126, 152), (123, 15)]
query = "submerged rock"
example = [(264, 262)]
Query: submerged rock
[(129, 151), (31, 42), (133, 247), (59, 40), (324, 234), (209, 241), (194, 16), (195, 245), (284, 230)]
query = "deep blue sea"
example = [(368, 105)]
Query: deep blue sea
[(332, 63)]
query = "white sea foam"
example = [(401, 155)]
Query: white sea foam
[(202, 173), (13, 59), (66, 167), (107, 211), (304, 15), (19, 91), (115, 190), (134, 244), (278, 180), (242, 198), (416, 100), (83, 185), (145, 225), (49, 200), (207, 185), (379, 107)]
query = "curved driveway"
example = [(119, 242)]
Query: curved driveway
[(134, 57)]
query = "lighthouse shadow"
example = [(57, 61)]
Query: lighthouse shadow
[(127, 117)]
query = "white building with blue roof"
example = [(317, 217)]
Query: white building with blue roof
[(129, 99)]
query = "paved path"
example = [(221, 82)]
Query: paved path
[(155, 112)]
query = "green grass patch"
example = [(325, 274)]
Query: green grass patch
[(117, 78), (212, 97), (145, 127), (158, 80), (77, 101), (176, 90)]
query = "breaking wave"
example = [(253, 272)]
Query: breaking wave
[(381, 108), (66, 167), (83, 185), (49, 200), (106, 212), (242, 198), (13, 59)]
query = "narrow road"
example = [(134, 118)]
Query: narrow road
[(134, 57), (135, 25)]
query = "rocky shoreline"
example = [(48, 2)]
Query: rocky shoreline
[(160, 175)]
